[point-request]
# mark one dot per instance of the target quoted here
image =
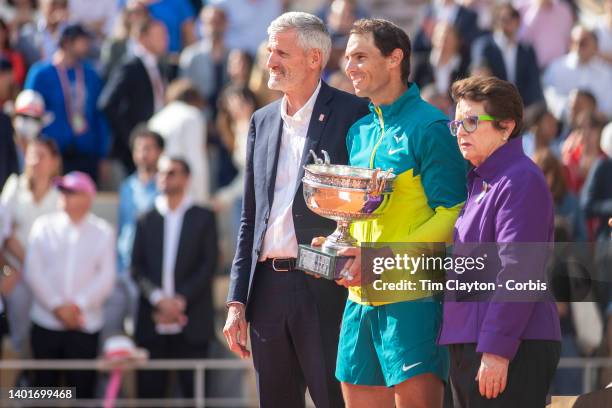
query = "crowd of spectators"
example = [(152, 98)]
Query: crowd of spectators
[(151, 100)]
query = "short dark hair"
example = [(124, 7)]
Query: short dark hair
[(182, 162), (142, 130), (387, 37), (587, 94), (499, 9), (549, 164), (500, 98)]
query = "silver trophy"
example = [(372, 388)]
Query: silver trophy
[(343, 194)]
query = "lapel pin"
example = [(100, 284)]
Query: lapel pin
[(485, 187), (321, 117)]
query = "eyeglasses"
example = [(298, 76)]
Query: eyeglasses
[(469, 123)]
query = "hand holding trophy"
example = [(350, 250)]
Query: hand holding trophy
[(344, 194)]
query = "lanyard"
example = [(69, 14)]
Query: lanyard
[(74, 97)]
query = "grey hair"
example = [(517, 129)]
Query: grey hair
[(311, 31)]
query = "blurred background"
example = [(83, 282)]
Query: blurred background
[(115, 84)]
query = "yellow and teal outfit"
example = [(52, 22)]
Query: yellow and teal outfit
[(390, 340)]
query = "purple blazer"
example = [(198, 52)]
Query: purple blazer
[(516, 206)]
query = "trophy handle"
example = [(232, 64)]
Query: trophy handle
[(317, 160)]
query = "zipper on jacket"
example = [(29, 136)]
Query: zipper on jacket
[(382, 134)]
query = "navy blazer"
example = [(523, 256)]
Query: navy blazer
[(485, 51), (333, 114)]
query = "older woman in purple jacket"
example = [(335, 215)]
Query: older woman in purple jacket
[(503, 354)]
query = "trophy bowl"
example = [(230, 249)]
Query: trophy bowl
[(344, 194)]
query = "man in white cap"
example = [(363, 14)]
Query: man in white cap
[(70, 267)]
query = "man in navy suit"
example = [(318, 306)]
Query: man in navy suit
[(507, 58), (294, 318)]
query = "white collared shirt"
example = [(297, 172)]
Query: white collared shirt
[(443, 73), (509, 51), (70, 263), (157, 83), (567, 73), (280, 240), (173, 225)]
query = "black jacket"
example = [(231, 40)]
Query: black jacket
[(196, 260), (485, 51), (127, 100)]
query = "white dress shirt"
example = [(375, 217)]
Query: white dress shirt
[(70, 263), (183, 128), (157, 83), (509, 51), (21, 208), (280, 240), (566, 74), (443, 72), (173, 225)]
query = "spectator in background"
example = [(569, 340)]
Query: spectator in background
[(120, 44), (580, 102), (205, 62), (340, 18), (236, 106), (508, 58), (9, 162), (581, 68), (7, 83), (581, 149), (239, 67), (596, 196), (484, 9), (567, 207), (7, 51), (445, 63), (570, 226), (7, 279), (8, 152), (136, 196), (70, 268), (29, 119), (26, 197), (19, 12), (547, 25), (596, 202), (70, 89), (463, 19), (178, 18), (98, 16), (542, 131), (248, 21), (183, 127), (173, 261), (603, 31), (39, 39), (136, 89)]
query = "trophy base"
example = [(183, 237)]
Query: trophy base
[(322, 262)]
